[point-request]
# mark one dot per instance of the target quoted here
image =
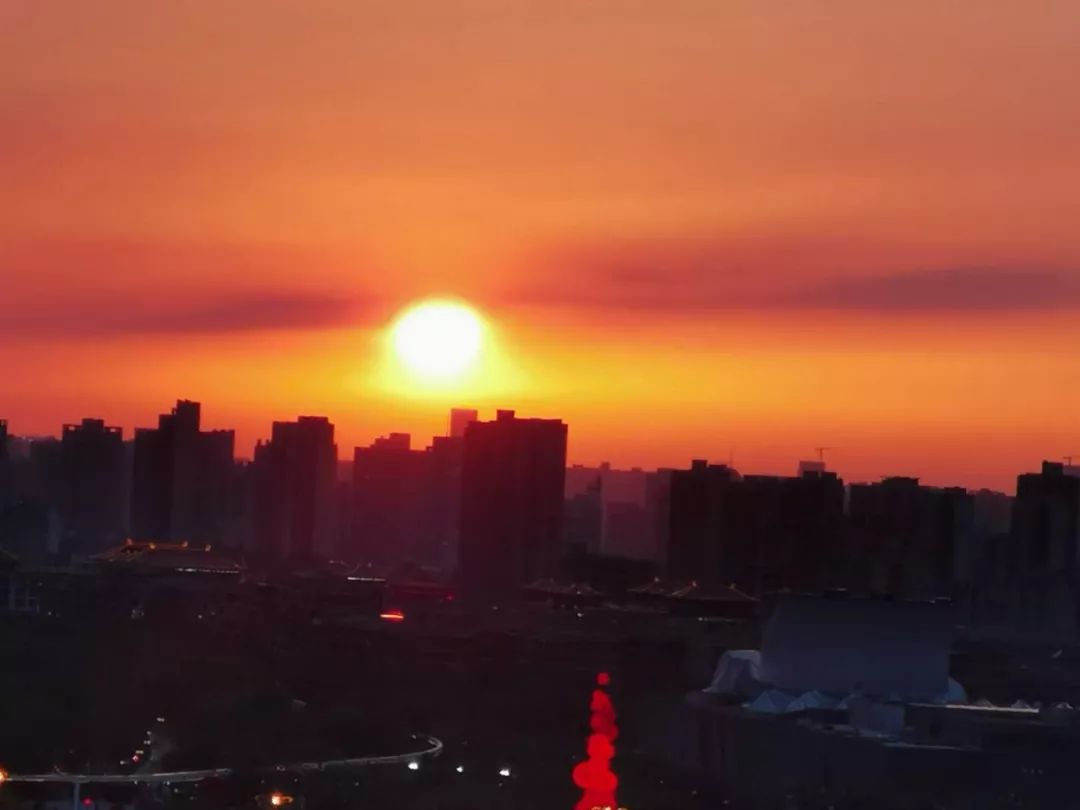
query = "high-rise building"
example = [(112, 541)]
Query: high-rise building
[(94, 480), (405, 505), (583, 516), (295, 478), (623, 495), (183, 480), (1044, 561), (513, 474), (7, 477), (700, 508), (760, 532), (908, 539), (461, 418), (389, 480), (442, 508), (658, 512)]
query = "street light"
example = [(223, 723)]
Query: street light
[(3, 776), (280, 799)]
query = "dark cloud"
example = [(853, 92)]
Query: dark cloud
[(791, 274), (964, 289), (69, 288), (235, 312)]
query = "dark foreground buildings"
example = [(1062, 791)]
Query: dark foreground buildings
[(93, 482), (758, 532), (183, 480), (513, 474), (405, 505), (1042, 556), (295, 480), (911, 540)]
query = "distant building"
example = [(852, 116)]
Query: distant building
[(583, 519), (405, 505), (7, 473), (658, 512), (440, 547), (93, 487), (183, 483), (461, 418), (760, 532), (796, 531), (622, 494), (908, 539), (816, 466), (295, 475), (388, 495), (513, 474), (700, 507), (1044, 540)]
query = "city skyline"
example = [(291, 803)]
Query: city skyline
[(396, 395), (691, 228), (834, 457)]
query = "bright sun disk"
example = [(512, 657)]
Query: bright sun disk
[(439, 339)]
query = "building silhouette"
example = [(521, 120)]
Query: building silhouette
[(583, 516), (295, 477), (1043, 559), (759, 532), (513, 475), (389, 494), (910, 540), (183, 481), (701, 504), (440, 543), (624, 529), (7, 467), (93, 487), (658, 512), (461, 418)]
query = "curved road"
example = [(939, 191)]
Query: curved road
[(433, 749)]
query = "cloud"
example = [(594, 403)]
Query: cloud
[(236, 312), (65, 289), (961, 289), (812, 274)]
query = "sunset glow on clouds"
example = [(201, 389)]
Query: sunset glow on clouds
[(696, 228)]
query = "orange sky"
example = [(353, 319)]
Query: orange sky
[(698, 228)]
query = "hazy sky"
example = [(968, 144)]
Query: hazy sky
[(697, 228)]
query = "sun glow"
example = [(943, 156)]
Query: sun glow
[(438, 339)]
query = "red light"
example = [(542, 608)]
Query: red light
[(392, 616), (594, 776), (87, 801)]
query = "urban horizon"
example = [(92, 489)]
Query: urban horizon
[(732, 454)]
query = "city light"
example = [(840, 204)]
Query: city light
[(280, 799), (414, 765), (392, 616), (3, 776), (504, 771), (460, 769)]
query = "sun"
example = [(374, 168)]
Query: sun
[(438, 339)]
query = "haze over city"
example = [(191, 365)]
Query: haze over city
[(692, 229)]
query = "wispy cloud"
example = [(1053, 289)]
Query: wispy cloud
[(790, 274), (66, 289), (236, 312)]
